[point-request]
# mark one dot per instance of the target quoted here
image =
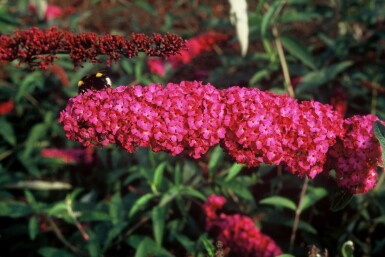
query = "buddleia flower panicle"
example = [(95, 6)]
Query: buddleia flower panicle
[(39, 48), (252, 126), (237, 232)]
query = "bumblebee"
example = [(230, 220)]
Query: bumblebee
[(95, 81)]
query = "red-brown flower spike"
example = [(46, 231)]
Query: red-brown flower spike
[(39, 48)]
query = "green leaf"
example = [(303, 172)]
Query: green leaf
[(114, 232), (193, 192), (36, 133), (319, 77), (258, 76), (186, 242), (312, 196), (31, 199), (215, 159), (149, 248), (54, 252), (158, 216), (269, 16), (115, 208), (95, 216), (140, 203), (379, 132), (347, 249), (208, 245), (302, 225), (158, 175), (234, 170), (299, 51), (33, 227), (14, 209), (340, 199), (58, 209), (279, 201), (7, 132), (93, 245)]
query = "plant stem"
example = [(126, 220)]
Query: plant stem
[(283, 62), (298, 213), (62, 239)]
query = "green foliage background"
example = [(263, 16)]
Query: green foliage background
[(146, 204)]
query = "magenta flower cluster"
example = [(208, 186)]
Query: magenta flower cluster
[(237, 232), (355, 157), (252, 126), (39, 48)]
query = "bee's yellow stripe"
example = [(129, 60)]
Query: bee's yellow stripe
[(80, 83), (98, 75)]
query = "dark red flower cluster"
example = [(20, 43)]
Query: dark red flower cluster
[(355, 157), (39, 48), (195, 47), (238, 232), (75, 155), (252, 126)]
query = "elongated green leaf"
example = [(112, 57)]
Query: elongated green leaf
[(193, 192), (312, 196), (58, 209), (93, 244), (31, 199), (299, 51), (14, 209), (158, 174), (149, 248), (115, 208), (7, 132), (36, 133), (379, 132), (269, 16), (158, 216), (114, 232), (186, 242), (340, 199), (279, 201), (215, 159), (95, 216), (258, 76), (317, 78), (54, 252), (234, 170), (208, 245), (33, 227), (140, 203)]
